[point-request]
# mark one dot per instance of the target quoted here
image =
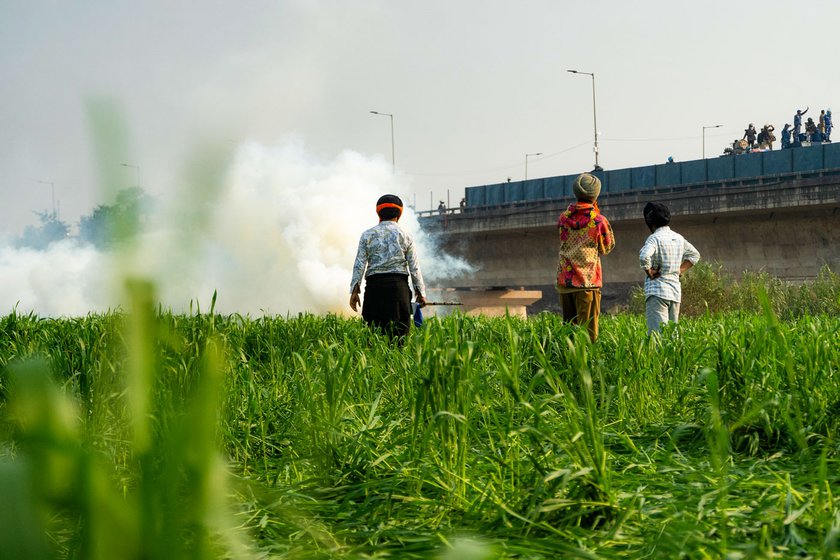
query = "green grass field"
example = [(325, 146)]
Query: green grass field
[(151, 435)]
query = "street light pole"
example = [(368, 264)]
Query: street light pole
[(393, 161), (704, 137), (137, 167), (594, 114), (526, 162), (52, 187)]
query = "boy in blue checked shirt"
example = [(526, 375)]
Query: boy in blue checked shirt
[(664, 257)]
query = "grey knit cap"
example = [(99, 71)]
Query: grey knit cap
[(587, 187)]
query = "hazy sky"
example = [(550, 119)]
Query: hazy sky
[(473, 85)]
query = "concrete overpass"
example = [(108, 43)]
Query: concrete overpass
[(786, 224)]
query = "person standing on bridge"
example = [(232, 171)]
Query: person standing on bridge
[(664, 257), (386, 258), (750, 135), (585, 235), (786, 136), (797, 125), (811, 134)]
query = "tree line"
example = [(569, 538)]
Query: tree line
[(105, 226)]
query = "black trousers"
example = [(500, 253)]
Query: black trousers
[(387, 303)]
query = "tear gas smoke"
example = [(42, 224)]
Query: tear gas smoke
[(279, 237)]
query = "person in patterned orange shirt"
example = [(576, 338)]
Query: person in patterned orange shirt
[(585, 235)]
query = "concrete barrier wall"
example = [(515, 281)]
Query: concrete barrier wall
[(791, 245)]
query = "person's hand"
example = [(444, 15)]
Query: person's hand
[(421, 301), (652, 273), (355, 301)]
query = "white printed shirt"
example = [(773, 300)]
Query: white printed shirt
[(665, 250), (387, 249)]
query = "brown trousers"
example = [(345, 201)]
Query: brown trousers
[(583, 307)]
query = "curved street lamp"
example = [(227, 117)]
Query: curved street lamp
[(594, 114), (137, 168), (393, 161), (704, 137), (526, 162), (52, 187)]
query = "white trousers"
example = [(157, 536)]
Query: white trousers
[(658, 311)]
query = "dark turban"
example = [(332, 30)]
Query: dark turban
[(389, 206), (657, 214)]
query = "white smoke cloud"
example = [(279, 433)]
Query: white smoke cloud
[(279, 238), (65, 279)]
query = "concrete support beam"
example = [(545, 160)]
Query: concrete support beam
[(489, 303)]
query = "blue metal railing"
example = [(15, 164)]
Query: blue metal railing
[(762, 180), (751, 168)]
